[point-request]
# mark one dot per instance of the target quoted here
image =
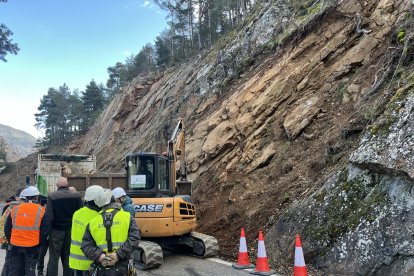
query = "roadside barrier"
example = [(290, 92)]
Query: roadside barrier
[(262, 265), (243, 259), (300, 267)]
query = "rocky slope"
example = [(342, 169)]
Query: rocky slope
[(297, 122), (19, 144)]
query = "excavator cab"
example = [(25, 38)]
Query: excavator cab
[(148, 175)]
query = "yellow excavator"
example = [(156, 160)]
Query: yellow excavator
[(164, 209)]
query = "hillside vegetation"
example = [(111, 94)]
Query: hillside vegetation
[(300, 121)]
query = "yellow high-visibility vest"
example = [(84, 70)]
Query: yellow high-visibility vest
[(119, 230), (80, 219)]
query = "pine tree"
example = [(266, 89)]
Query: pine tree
[(93, 103)]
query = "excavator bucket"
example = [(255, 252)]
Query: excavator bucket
[(184, 187)]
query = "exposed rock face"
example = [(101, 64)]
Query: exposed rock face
[(2, 151), (361, 220), (392, 151), (270, 135), (358, 223)]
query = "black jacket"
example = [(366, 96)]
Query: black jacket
[(60, 206)]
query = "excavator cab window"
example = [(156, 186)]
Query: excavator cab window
[(141, 173)]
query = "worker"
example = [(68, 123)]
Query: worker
[(14, 198), (18, 198), (77, 260), (125, 201), (61, 205), (27, 227), (44, 247), (110, 247)]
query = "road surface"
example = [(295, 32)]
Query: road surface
[(178, 265)]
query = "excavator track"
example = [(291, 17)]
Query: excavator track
[(210, 244), (193, 244), (149, 255)]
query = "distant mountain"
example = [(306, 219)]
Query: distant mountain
[(18, 143)]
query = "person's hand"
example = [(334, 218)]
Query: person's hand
[(113, 258), (101, 257)]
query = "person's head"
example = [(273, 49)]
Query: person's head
[(22, 196), (103, 198), (91, 193), (31, 193), (62, 182), (16, 196), (119, 194), (72, 189)]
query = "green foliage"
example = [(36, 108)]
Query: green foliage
[(93, 102), (6, 44), (193, 25), (401, 35), (63, 113), (122, 73)]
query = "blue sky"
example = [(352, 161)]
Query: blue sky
[(68, 42)]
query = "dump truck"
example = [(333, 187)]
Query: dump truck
[(52, 166), (161, 192)]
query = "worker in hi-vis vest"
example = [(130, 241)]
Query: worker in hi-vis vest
[(26, 228), (110, 237), (81, 218)]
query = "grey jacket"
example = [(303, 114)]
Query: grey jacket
[(93, 252)]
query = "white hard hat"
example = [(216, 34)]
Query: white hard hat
[(23, 194), (103, 197), (92, 192), (118, 192), (31, 191)]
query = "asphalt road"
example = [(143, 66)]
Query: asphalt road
[(178, 265)]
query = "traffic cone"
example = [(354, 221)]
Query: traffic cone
[(243, 259), (300, 267), (262, 266)]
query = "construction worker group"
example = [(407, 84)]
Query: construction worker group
[(93, 236)]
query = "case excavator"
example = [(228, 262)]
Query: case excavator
[(165, 212)]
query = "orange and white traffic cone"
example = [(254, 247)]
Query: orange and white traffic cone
[(243, 259), (300, 267), (262, 265)]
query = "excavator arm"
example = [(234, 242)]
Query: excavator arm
[(176, 153)]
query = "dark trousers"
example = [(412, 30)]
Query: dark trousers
[(119, 270), (80, 273), (59, 247), (23, 257), (42, 254), (7, 261)]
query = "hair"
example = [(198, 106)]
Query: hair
[(62, 182), (72, 189), (31, 198), (18, 192)]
